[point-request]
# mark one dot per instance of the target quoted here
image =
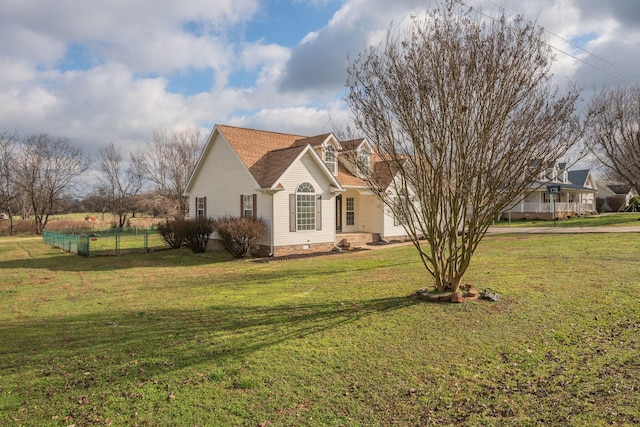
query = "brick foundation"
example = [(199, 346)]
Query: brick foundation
[(302, 249)]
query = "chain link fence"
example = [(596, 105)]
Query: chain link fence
[(115, 241)]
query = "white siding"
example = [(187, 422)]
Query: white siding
[(222, 179), (357, 208), (370, 218), (307, 170)]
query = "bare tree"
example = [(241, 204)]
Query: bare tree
[(8, 188), (462, 112), (168, 161), (120, 183), (613, 134), (46, 170)]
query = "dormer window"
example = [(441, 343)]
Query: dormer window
[(554, 175), (330, 158), (363, 165), (565, 177)]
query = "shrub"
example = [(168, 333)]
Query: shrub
[(197, 232), (616, 203), (172, 233), (240, 236)]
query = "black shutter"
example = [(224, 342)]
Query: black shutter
[(255, 206)]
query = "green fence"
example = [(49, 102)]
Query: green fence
[(113, 241)]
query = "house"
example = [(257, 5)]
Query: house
[(310, 196), (558, 192), (612, 196)]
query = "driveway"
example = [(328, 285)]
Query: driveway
[(564, 230)]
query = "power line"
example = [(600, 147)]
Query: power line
[(602, 70), (581, 48)]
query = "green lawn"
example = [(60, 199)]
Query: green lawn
[(615, 219), (170, 338)]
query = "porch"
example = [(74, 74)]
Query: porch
[(546, 210), (355, 239)]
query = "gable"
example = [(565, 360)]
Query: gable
[(218, 159)]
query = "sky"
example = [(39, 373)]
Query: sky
[(100, 72)]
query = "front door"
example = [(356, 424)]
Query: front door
[(339, 212)]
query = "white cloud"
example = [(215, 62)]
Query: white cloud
[(134, 49)]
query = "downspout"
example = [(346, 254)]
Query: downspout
[(272, 225)]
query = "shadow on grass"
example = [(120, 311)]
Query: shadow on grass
[(163, 340), (57, 260)]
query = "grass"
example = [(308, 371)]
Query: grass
[(170, 338), (616, 219)]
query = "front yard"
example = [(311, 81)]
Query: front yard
[(171, 338)]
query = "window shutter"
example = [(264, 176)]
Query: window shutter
[(255, 206), (205, 207), (319, 213), (241, 206), (292, 212)]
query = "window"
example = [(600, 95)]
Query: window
[(330, 158), (400, 209), (305, 207), (201, 207), (248, 206), (351, 214), (363, 162)]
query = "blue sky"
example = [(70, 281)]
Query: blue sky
[(98, 72)]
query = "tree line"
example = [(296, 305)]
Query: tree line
[(41, 175)]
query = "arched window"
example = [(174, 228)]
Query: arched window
[(305, 207), (330, 158)]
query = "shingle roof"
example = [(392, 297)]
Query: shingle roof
[(620, 188), (267, 155), (314, 141)]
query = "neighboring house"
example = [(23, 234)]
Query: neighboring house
[(558, 191), (613, 195), (4, 216), (309, 195)]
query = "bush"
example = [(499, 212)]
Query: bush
[(172, 233), (240, 236), (616, 203), (197, 232), (192, 233)]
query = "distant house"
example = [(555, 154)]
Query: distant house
[(4, 216), (560, 192), (309, 195), (612, 196)]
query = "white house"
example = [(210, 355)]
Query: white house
[(309, 195), (558, 191)]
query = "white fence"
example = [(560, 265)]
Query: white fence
[(578, 208)]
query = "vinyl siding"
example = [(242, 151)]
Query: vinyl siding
[(370, 218), (221, 179), (307, 170)]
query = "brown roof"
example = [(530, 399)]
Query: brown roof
[(267, 155), (314, 141), (251, 145), (273, 164)]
